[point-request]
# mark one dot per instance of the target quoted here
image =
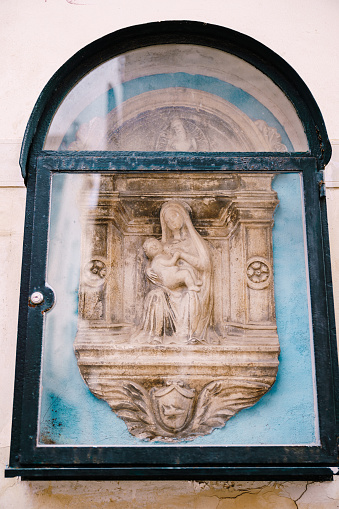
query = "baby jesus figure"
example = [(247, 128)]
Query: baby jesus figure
[(164, 269)]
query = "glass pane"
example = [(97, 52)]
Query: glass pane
[(176, 98), (172, 297)]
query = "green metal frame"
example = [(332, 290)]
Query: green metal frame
[(175, 32), (176, 462)]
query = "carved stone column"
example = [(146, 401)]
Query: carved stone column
[(251, 261)]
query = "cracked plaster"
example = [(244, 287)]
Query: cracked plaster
[(166, 495)]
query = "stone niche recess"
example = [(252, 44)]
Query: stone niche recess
[(177, 329)]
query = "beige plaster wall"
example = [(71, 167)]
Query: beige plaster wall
[(36, 38)]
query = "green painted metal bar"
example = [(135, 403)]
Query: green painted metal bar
[(176, 473)]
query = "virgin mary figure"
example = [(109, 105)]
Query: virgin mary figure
[(181, 315)]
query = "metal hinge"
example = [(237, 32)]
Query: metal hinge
[(322, 189), (321, 184)]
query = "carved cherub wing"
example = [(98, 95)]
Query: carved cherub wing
[(130, 402), (220, 400)]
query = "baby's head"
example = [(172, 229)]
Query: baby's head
[(152, 247)]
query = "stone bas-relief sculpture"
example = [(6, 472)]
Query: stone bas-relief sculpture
[(177, 119), (177, 326), (178, 310)]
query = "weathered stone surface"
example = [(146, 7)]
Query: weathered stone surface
[(177, 326), (178, 119)]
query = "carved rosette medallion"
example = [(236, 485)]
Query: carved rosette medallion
[(93, 288), (95, 272), (177, 329), (258, 273)]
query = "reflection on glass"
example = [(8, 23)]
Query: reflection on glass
[(176, 98), (168, 319)]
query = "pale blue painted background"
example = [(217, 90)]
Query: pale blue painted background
[(70, 414)]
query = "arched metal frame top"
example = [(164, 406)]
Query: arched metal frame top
[(184, 32)]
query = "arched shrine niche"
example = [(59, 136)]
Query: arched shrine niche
[(209, 292), (176, 279), (176, 326), (143, 99)]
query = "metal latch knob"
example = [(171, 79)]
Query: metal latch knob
[(37, 298)]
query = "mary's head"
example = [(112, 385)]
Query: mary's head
[(175, 219)]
